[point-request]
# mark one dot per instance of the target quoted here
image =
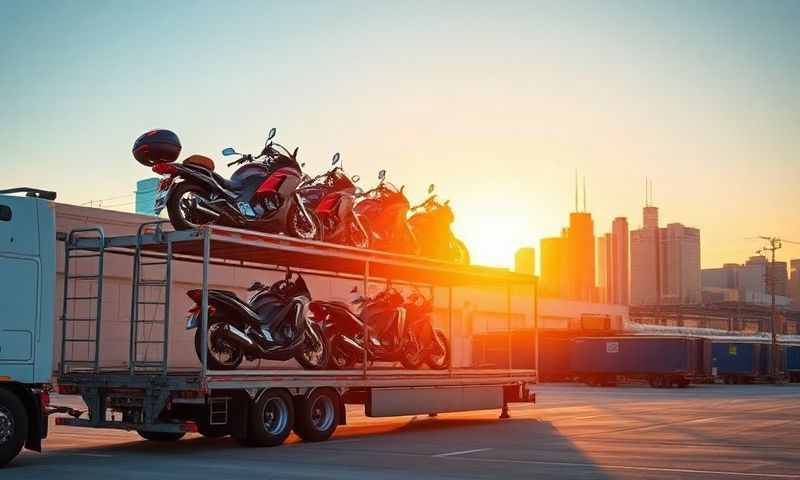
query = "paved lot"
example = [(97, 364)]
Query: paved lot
[(713, 431)]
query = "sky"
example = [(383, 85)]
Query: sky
[(496, 103)]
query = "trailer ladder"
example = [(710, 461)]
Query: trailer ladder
[(82, 303), (152, 278)]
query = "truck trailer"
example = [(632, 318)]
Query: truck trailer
[(149, 392)]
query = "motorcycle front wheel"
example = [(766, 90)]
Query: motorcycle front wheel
[(222, 355), (315, 352), (180, 206), (413, 355), (460, 252), (302, 227), (438, 357)]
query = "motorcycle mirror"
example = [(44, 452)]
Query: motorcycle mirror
[(303, 165), (229, 151), (430, 188), (294, 154), (447, 202), (402, 188), (335, 159), (256, 286), (354, 290), (355, 178), (272, 133), (381, 175)]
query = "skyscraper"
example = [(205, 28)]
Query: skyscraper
[(604, 269), (551, 272), (794, 281), (645, 260), (619, 261), (579, 257), (525, 261), (680, 253), (146, 195)]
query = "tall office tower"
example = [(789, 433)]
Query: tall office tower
[(146, 195), (645, 261), (579, 257), (752, 276), (605, 269), (619, 261), (680, 254), (550, 264), (525, 261)]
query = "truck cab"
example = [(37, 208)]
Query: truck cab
[(27, 282)]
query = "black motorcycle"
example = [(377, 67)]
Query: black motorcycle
[(260, 195), (332, 196), (397, 330), (274, 325)]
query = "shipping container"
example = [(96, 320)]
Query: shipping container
[(738, 362), (792, 362), (663, 361)]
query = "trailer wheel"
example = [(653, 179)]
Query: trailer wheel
[(317, 415), (13, 426), (271, 419), (160, 436)]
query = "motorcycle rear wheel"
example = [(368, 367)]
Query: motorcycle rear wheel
[(313, 355), (179, 206), (412, 359), (216, 347)]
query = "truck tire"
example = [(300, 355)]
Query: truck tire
[(317, 416), (271, 419), (13, 426), (160, 436)]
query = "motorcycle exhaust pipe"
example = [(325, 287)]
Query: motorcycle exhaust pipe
[(237, 336), (207, 211)]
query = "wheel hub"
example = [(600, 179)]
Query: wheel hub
[(6, 425)]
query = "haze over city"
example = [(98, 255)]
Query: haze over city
[(496, 104)]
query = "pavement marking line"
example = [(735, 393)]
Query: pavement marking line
[(461, 452), (632, 467), (100, 455)]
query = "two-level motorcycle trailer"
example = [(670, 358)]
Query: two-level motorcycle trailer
[(260, 406)]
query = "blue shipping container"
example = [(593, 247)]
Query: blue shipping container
[(640, 355), (737, 358), (792, 358)]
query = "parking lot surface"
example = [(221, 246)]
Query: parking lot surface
[(709, 431)]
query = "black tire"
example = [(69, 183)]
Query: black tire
[(13, 426), (321, 351), (160, 436), (236, 354), (271, 419), (177, 214), (434, 359), (460, 252), (297, 224), (317, 416)]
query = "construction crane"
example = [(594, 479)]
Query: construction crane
[(773, 244)]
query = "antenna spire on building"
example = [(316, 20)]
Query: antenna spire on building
[(576, 189), (584, 194)]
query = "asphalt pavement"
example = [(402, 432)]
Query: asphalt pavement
[(574, 432)]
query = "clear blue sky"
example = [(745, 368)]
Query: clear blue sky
[(496, 102)]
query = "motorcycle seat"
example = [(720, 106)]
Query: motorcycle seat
[(200, 161)]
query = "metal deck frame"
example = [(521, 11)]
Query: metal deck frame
[(221, 246)]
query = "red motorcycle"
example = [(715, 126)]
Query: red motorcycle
[(430, 223), (332, 196), (383, 210)]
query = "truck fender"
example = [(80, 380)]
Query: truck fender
[(37, 421)]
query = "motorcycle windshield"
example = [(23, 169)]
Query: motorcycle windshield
[(300, 288)]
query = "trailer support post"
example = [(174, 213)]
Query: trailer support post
[(450, 327), (204, 304), (365, 357)]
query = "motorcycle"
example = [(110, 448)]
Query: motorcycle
[(383, 211), (332, 196), (275, 324), (260, 194), (397, 330), (430, 221)]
